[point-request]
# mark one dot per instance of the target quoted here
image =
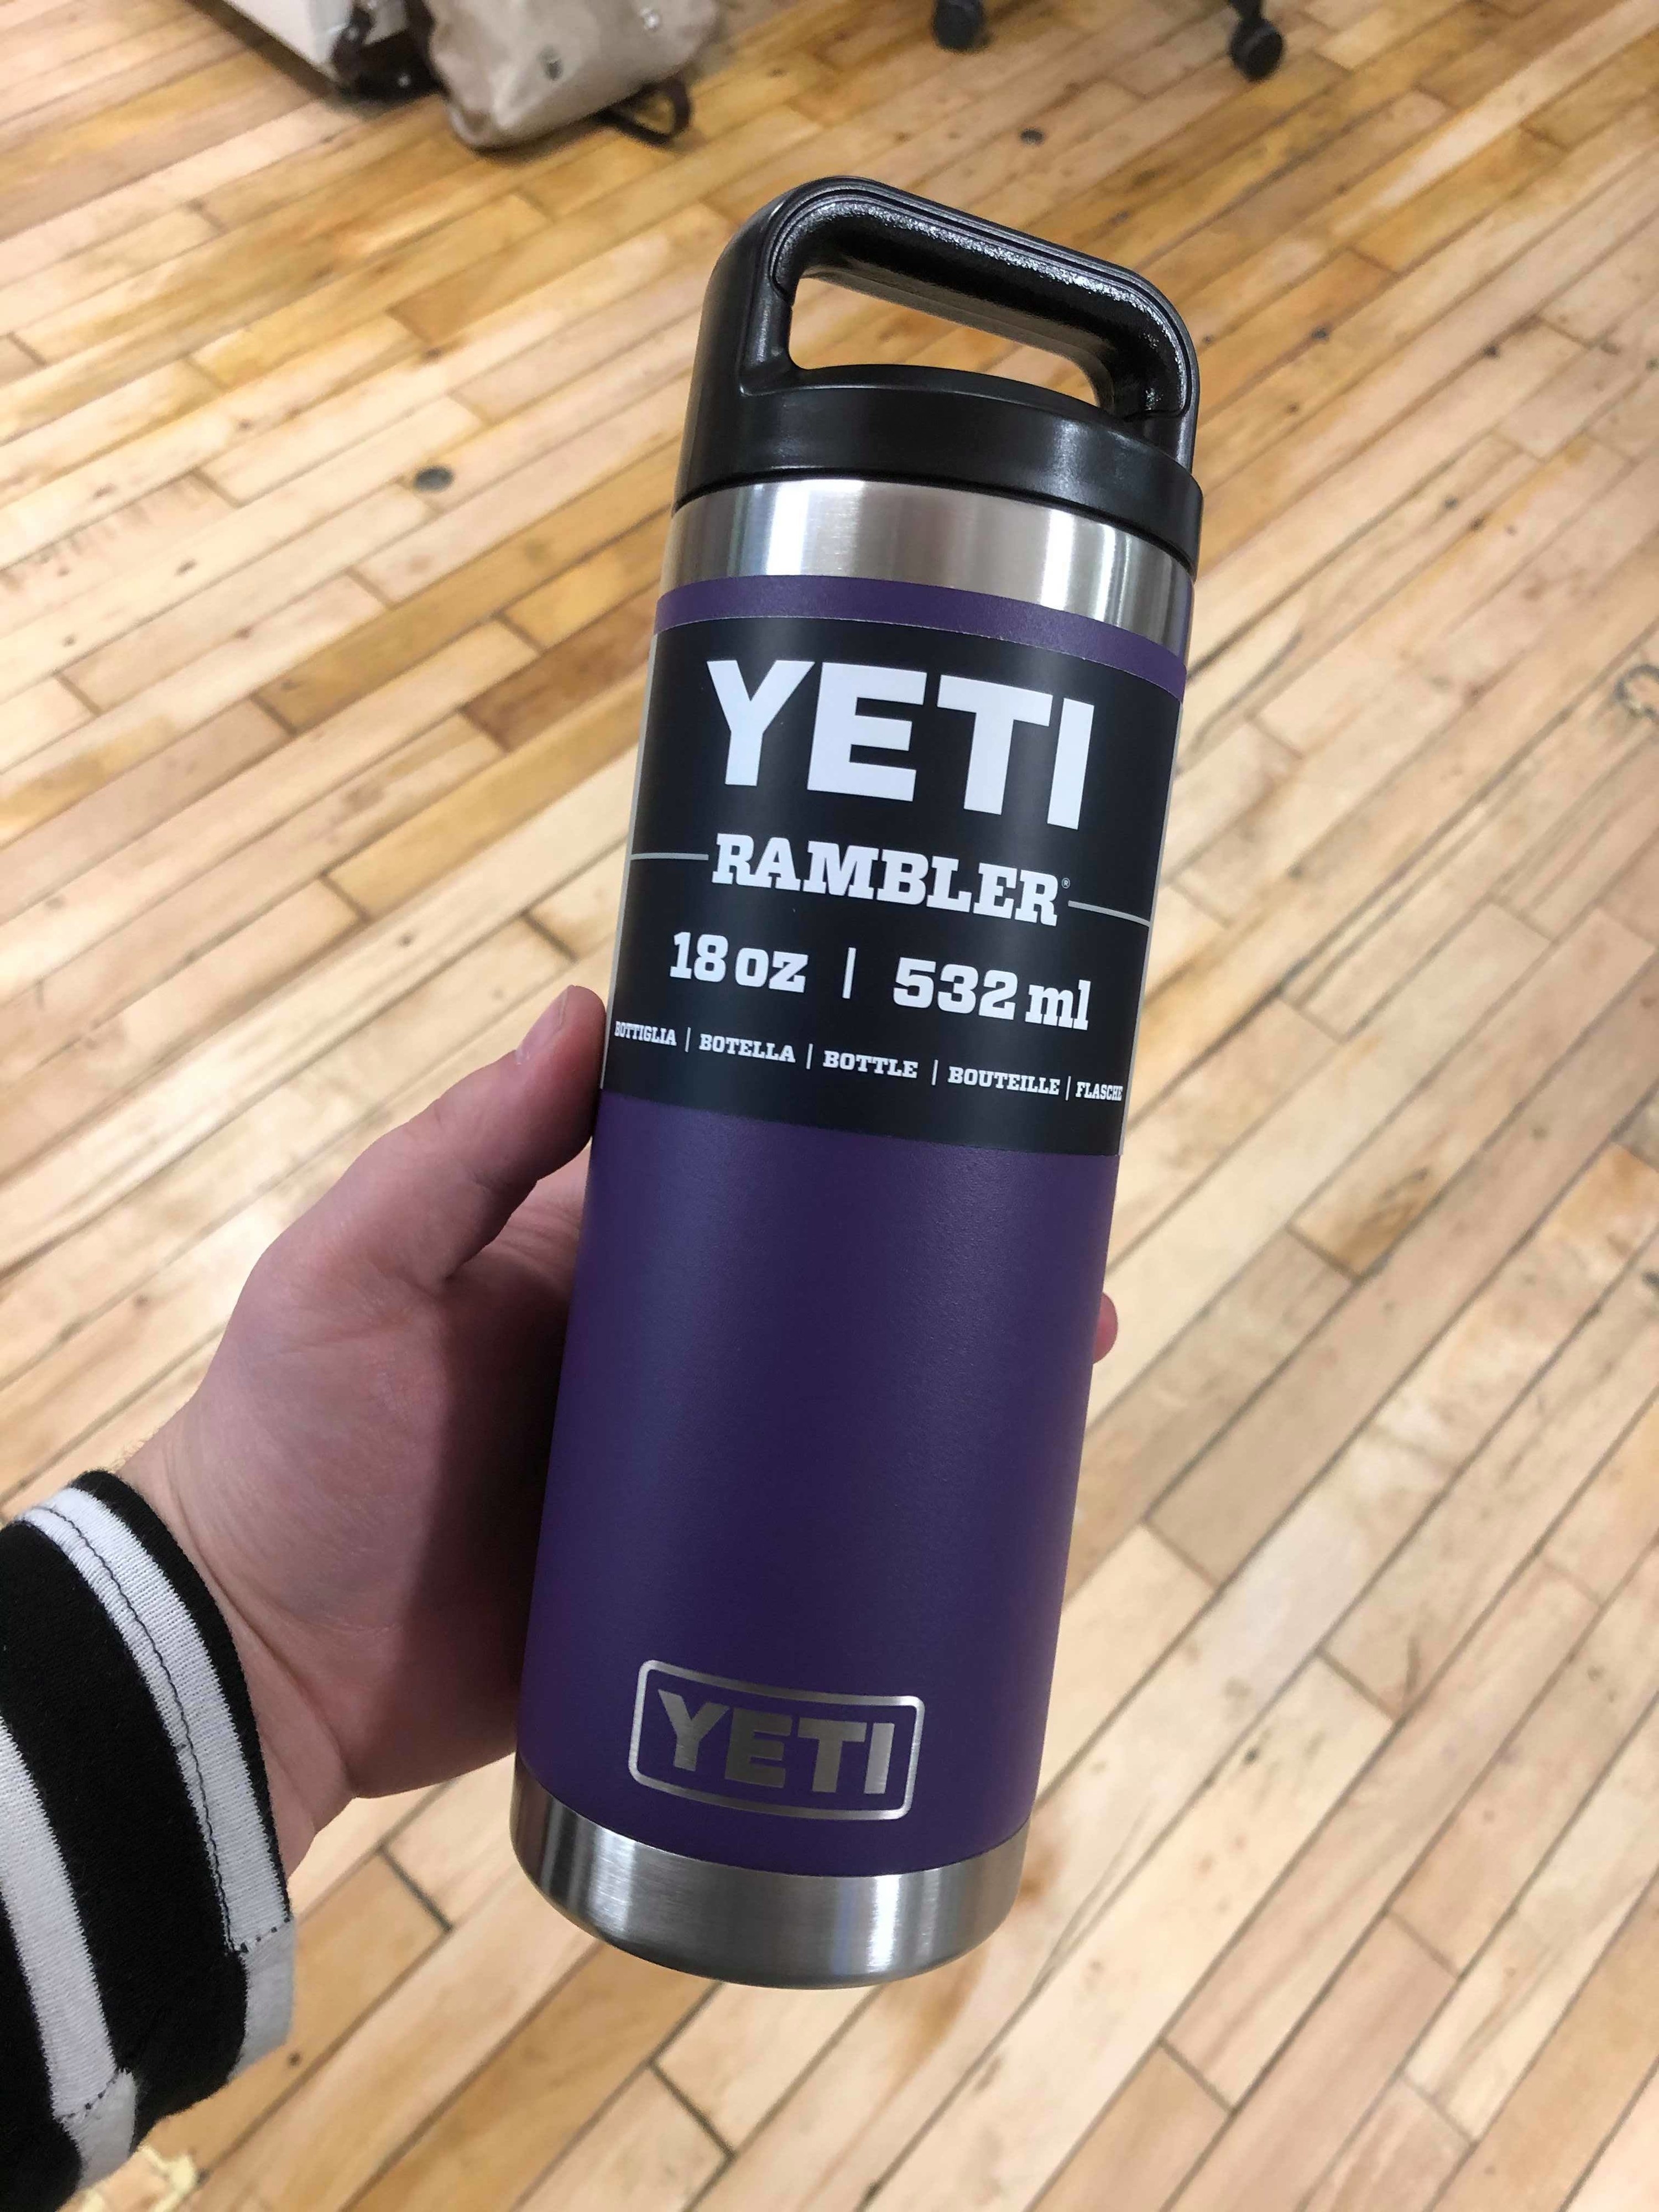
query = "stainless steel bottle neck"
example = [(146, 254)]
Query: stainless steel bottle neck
[(970, 541)]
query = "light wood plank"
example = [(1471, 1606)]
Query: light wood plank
[(277, 781), (147, 528), (1168, 1278), (43, 713), (911, 2046), (71, 1287), (160, 938), (125, 608), (319, 685), (1392, 1181), (646, 2154), (1391, 929), (457, 1848), (348, 1842), (1137, 2156), (156, 428), (1231, 2030), (1193, 1127), (1323, 2086), (1511, 1494), (586, 744), (581, 916), (117, 1056), (1399, 2162), (457, 2007), (1022, 2115), (1187, 1399), (78, 276), (1634, 899), (111, 1443), (1270, 650), (1618, 1515), (81, 762), (1478, 1868), (1378, 1334), (1622, 2178), (1574, 2098), (524, 2109), (1307, 712), (1509, 2003), (198, 1095)]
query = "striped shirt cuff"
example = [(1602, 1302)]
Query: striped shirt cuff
[(146, 1944)]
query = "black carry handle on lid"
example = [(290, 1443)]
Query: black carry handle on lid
[(1122, 333), (756, 415)]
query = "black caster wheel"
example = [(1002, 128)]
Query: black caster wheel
[(392, 70), (958, 24), (1257, 49)]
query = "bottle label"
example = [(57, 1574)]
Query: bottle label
[(893, 861)]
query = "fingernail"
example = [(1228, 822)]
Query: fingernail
[(545, 1027)]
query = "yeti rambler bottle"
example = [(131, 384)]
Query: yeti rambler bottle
[(907, 756)]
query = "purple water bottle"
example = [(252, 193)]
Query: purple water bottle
[(908, 738)]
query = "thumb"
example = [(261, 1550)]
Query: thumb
[(429, 1196)]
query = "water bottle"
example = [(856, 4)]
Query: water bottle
[(907, 744)]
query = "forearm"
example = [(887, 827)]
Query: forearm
[(146, 1949)]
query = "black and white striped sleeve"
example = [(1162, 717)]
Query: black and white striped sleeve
[(146, 1945)]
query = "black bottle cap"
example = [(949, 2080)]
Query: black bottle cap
[(753, 414)]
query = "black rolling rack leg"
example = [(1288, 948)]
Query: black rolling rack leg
[(1257, 47), (958, 24)]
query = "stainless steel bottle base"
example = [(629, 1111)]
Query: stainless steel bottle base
[(800, 1931)]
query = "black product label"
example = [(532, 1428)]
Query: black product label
[(890, 876)]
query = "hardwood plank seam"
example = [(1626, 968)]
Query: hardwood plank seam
[(1178, 2058), (326, 876), (552, 936), (1360, 1689), (66, 679), (414, 1888), (727, 2151), (1195, 894), (509, 614), (1424, 1941)]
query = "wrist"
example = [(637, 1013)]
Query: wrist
[(304, 1771)]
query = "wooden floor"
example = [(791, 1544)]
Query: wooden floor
[(1344, 1892)]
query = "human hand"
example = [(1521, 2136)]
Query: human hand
[(359, 1477)]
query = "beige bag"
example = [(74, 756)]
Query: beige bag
[(515, 69)]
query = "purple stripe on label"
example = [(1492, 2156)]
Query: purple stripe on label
[(925, 606)]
